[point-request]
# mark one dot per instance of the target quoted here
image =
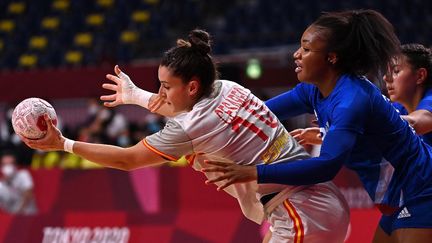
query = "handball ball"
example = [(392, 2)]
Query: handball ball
[(27, 118)]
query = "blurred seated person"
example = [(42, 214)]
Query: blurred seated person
[(104, 126), (16, 187)]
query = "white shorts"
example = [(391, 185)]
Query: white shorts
[(318, 213)]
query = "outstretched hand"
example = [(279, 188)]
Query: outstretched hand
[(52, 141), (126, 92), (310, 135), (231, 173), (123, 88)]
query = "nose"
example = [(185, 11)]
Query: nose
[(162, 91), (296, 54)]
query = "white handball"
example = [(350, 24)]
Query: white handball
[(27, 118)]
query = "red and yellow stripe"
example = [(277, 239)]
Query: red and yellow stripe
[(164, 155), (298, 224)]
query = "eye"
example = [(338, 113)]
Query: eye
[(305, 49)]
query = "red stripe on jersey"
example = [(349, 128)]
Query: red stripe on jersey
[(190, 158), (164, 155), (298, 224)]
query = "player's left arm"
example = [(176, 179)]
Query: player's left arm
[(420, 120), (106, 155)]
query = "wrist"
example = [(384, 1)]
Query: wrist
[(68, 145), (140, 97)]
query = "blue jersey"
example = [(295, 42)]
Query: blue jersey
[(361, 130), (424, 104)]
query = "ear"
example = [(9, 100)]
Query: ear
[(193, 87), (421, 75), (332, 58)]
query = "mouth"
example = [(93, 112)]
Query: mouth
[(299, 68)]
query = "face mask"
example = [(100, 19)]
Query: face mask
[(8, 170)]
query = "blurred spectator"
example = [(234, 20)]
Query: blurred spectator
[(104, 126), (16, 187), (9, 140)]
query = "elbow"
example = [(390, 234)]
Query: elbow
[(122, 165), (127, 161), (130, 163)]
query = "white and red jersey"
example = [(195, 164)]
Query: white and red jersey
[(231, 125)]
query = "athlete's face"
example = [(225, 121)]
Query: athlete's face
[(312, 59), (178, 95), (401, 80)]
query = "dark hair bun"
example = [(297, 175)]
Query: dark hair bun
[(200, 40)]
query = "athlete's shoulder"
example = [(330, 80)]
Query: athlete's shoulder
[(353, 92), (228, 84), (427, 94), (426, 101)]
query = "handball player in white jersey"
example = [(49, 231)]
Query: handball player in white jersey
[(218, 120)]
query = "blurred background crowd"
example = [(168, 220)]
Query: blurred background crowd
[(250, 36), (60, 50), (58, 33), (66, 34)]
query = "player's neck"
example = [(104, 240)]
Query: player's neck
[(326, 87), (411, 104)]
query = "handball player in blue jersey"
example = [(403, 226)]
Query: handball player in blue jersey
[(359, 126), (409, 85)]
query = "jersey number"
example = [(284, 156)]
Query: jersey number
[(258, 111)]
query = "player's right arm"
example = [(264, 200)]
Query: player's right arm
[(126, 92), (291, 103), (106, 155)]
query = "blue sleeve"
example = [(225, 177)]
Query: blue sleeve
[(399, 107), (348, 117), (292, 103), (335, 151)]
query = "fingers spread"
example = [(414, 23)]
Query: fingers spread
[(108, 97), (112, 87), (48, 121), (214, 169), (217, 163), (295, 132), (297, 136), (117, 69), (113, 78), (110, 104), (216, 179), (225, 185)]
